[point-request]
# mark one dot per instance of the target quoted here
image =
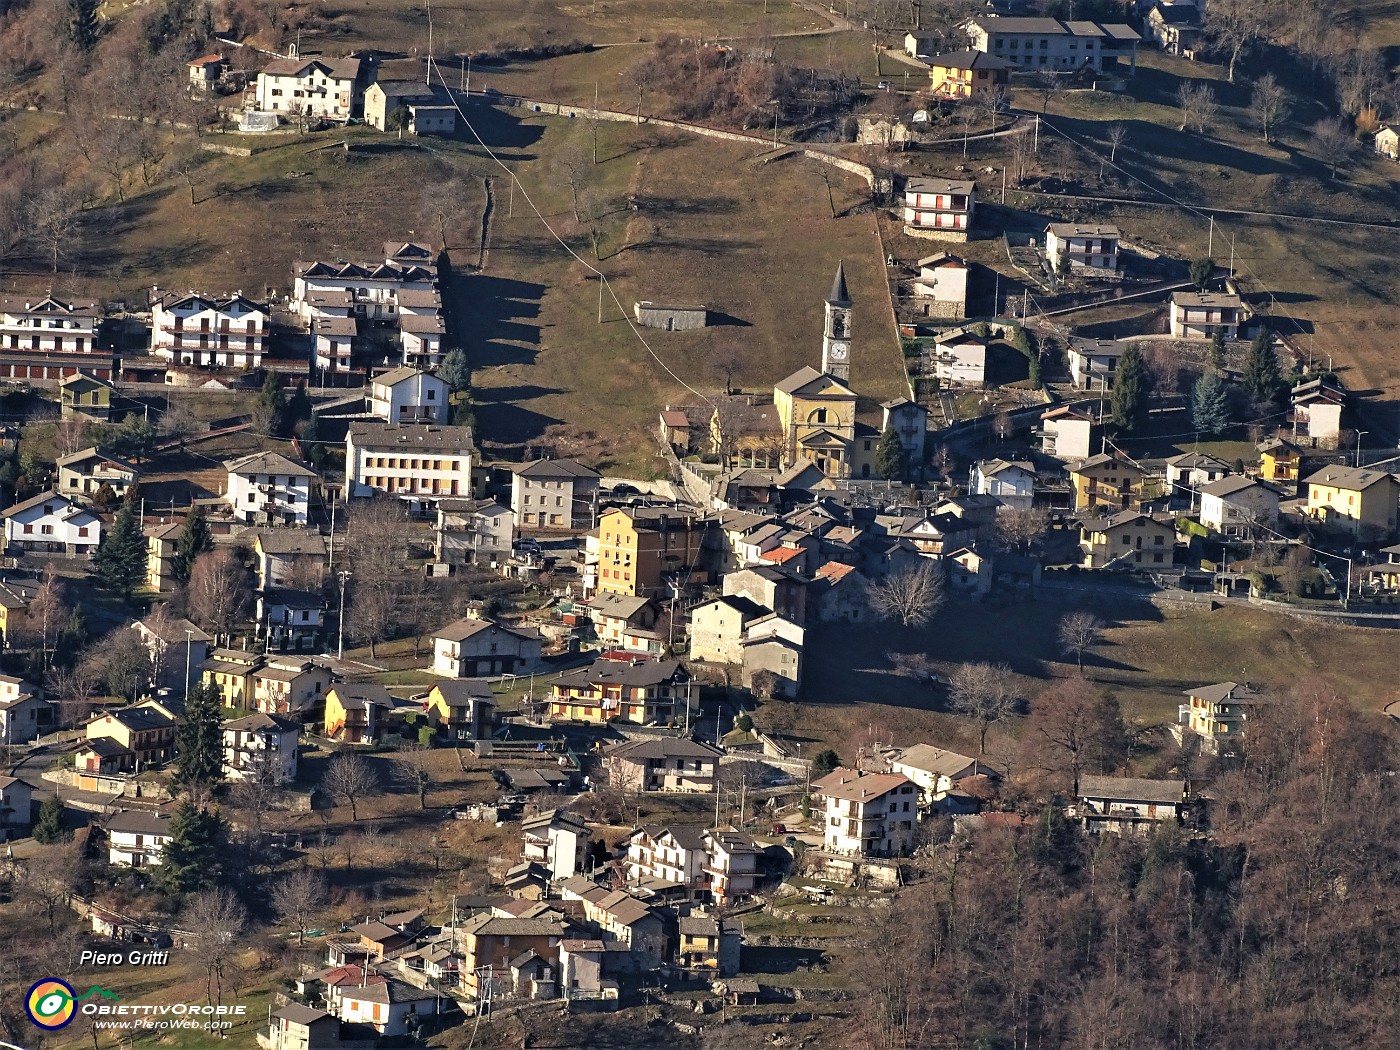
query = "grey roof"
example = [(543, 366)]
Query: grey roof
[(104, 747), (688, 837), (1132, 789), (936, 760), (1080, 229), (291, 541), (389, 992), (968, 60), (461, 690), (258, 721), (405, 89), (1343, 477), (1217, 300), (412, 435), (805, 377), (398, 375), (1232, 691), (665, 747), (94, 452), (556, 468), (357, 694), (613, 672), (138, 718), (268, 463), (336, 68), (303, 1015), (177, 631), (922, 184), (461, 630), (1229, 485), (137, 822), (620, 606), (839, 295)]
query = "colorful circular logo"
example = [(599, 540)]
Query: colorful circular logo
[(50, 1003)]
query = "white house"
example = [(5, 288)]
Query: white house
[(82, 473), (421, 335), (1318, 405), (960, 360), (483, 648), (1051, 44), (1093, 362), (941, 287), (385, 1006), (941, 209), (909, 420), (208, 332), (674, 854), (1200, 315), (1066, 433), (1011, 481), (556, 839), (335, 337), (417, 462), (44, 322), (1234, 504), (16, 808), (1082, 247), (554, 494), (409, 395), (1128, 805), (293, 618), (473, 532), (50, 523), (261, 747), (269, 489), (1193, 470), (310, 87), (934, 769), (135, 839), (178, 648), (24, 713), (867, 814)]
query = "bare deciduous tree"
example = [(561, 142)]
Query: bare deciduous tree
[(49, 878), (1233, 25), (1019, 527), (982, 691), (1269, 104), (1334, 143), (413, 770), (1198, 106), (375, 551), (1079, 631), (351, 777), (1117, 134), (298, 898), (214, 919), (911, 595), (218, 592)]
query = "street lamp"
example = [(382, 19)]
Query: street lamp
[(344, 575), (777, 108), (1359, 435), (189, 644)]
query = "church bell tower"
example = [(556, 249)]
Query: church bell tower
[(836, 337)]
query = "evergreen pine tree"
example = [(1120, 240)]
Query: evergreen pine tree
[(313, 447), (1130, 390), (190, 860), (1262, 374), (83, 27), (134, 436), (49, 828), (1216, 354), (271, 406), (199, 743), (454, 370), (299, 407), (121, 560), (889, 456), (1201, 271), (194, 540), (1210, 405)]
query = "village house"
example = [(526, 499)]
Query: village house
[(409, 395), (177, 647), (1128, 805), (1192, 471), (1317, 407), (83, 394), (1107, 481), (1010, 481), (622, 621), (1235, 505), (15, 598), (208, 332), (261, 747), (867, 814), (935, 770), (554, 494), (266, 488), (461, 709), (1067, 433), (556, 839), (1093, 362), (623, 918), (1072, 247), (959, 359), (391, 1008), (136, 839), (329, 89), (1127, 540), (51, 523), (1175, 27), (231, 672), (1279, 461), (717, 628), (1387, 141), (641, 549), (473, 532), (666, 857), (772, 587), (49, 324), (732, 866), (909, 420), (489, 942), (355, 712), (840, 594), (709, 945), (1384, 576), (24, 713), (16, 808), (289, 618), (83, 473), (411, 105), (1203, 315), (641, 691), (204, 73), (99, 760), (663, 764), (145, 730), (941, 209), (968, 75), (417, 463), (1358, 500), (161, 544), (290, 558), (1051, 44), (297, 1027), (279, 685), (477, 648), (1218, 713), (940, 290)]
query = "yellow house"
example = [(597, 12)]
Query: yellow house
[(1218, 713), (968, 74), (83, 394), (232, 671), (643, 691), (147, 730), (461, 708), (1107, 481), (1279, 460), (817, 413), (15, 596), (354, 711), (1357, 499), (639, 547), (1128, 539)]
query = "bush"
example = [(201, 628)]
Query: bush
[(744, 723)]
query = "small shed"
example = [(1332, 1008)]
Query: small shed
[(742, 992), (671, 318)]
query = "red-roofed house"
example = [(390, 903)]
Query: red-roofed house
[(869, 814), (838, 594)]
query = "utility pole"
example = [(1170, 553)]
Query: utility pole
[(1003, 184), (344, 575), (1210, 239), (1037, 134), (600, 298)]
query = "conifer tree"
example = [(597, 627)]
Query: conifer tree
[(193, 541), (190, 861), (49, 828), (1210, 405), (121, 559), (1262, 374), (889, 456), (199, 742), (83, 26), (454, 370), (1130, 390)]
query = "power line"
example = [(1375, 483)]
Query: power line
[(545, 223)]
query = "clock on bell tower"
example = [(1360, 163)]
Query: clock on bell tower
[(836, 337)]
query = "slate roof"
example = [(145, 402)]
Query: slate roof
[(1132, 788)]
